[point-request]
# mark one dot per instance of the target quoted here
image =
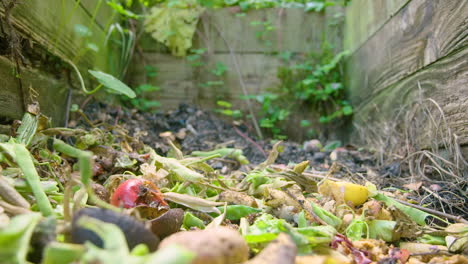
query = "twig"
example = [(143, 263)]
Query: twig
[(317, 176), (13, 209), (241, 82), (250, 140), (86, 119), (458, 219)]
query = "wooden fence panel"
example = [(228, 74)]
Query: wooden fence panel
[(51, 93), (366, 17), (425, 44), (52, 24)]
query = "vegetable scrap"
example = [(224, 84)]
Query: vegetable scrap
[(99, 195)]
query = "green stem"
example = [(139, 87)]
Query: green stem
[(56, 178), (25, 162), (80, 78), (217, 155)]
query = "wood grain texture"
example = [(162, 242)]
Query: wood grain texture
[(52, 25), (104, 14), (294, 30), (365, 17), (445, 81), (52, 93), (182, 83), (420, 34)]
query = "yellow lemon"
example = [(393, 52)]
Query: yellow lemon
[(345, 192)]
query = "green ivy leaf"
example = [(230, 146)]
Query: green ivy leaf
[(112, 83), (347, 110)]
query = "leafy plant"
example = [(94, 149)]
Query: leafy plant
[(265, 28), (319, 86), (195, 58), (272, 112), (112, 83), (220, 69), (142, 91), (173, 23), (226, 109), (124, 40)]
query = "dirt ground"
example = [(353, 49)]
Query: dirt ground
[(192, 129)]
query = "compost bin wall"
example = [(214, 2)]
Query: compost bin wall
[(52, 26), (404, 51), (234, 41)]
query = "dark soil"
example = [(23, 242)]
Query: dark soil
[(205, 131), (199, 130)]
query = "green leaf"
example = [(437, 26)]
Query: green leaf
[(305, 123), (62, 253), (433, 240), (357, 229), (146, 88), (121, 10), (224, 104), (14, 239), (332, 145), (414, 214), (192, 221), (113, 83), (236, 212), (172, 254), (220, 69), (318, 231), (347, 110), (326, 216), (301, 220), (150, 104), (266, 228), (174, 26), (382, 229)]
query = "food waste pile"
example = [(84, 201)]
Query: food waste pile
[(125, 187)]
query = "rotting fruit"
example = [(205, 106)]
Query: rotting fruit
[(136, 192)]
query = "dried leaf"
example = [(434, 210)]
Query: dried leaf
[(413, 186), (193, 202)]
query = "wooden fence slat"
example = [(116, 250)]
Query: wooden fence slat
[(420, 34), (445, 81), (52, 92), (365, 17), (181, 82), (294, 30), (52, 25), (290, 25)]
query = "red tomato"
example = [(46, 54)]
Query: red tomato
[(134, 192)]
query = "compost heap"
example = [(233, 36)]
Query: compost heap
[(99, 194)]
